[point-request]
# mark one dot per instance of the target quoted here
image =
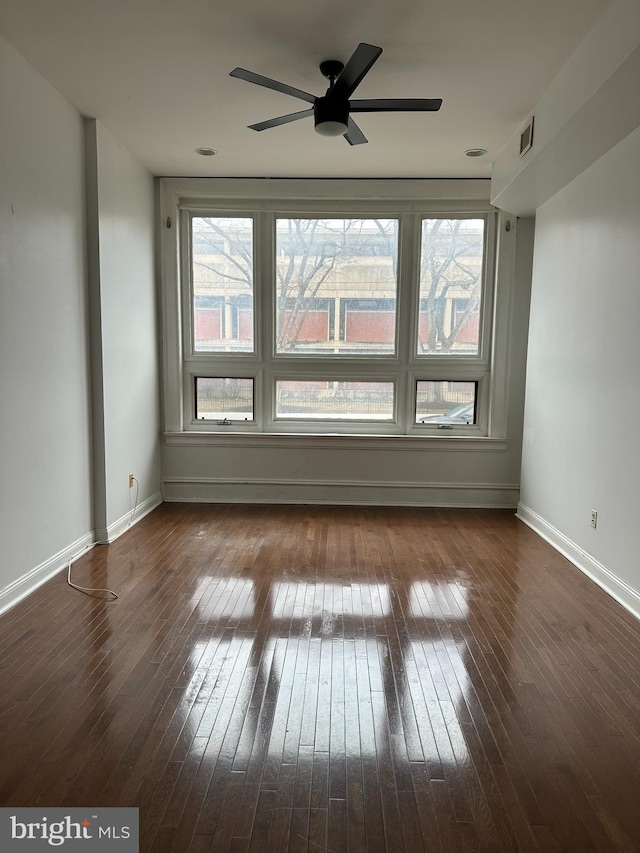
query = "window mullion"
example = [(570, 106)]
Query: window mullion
[(266, 296), (186, 313), (489, 273), (407, 323)]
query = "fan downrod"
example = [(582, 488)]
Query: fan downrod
[(331, 69)]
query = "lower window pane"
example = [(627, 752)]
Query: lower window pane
[(220, 398), (444, 402), (333, 400)]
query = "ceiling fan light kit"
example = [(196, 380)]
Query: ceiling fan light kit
[(330, 118), (332, 111)]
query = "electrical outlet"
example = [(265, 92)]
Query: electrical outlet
[(132, 480), (594, 518)]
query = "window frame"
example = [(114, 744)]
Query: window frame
[(266, 366)]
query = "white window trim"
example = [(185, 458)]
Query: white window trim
[(344, 198)]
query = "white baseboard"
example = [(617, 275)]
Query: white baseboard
[(624, 594), (356, 493), (106, 535), (25, 585)]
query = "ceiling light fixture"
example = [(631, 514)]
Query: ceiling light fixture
[(331, 116), (331, 128), (475, 152), (206, 152)]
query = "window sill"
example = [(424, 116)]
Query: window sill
[(309, 441)]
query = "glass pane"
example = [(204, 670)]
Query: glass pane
[(446, 402), (220, 398), (329, 400), (222, 256), (336, 286), (450, 286)]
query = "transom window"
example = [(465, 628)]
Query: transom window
[(336, 320)]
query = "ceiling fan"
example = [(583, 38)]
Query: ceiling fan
[(332, 111)]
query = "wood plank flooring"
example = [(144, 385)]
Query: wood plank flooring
[(329, 679)]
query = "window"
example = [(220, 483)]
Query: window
[(446, 403), (451, 286), (334, 400), (222, 283), (342, 317), (223, 399), (324, 269)]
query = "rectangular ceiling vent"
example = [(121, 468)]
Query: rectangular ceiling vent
[(526, 138)]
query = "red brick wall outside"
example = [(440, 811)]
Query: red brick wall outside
[(371, 327), (313, 326), (207, 324)]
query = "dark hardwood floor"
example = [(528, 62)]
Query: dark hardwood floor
[(329, 679)]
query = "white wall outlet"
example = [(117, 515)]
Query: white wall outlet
[(132, 480), (594, 518)]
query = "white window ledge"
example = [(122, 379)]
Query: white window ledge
[(310, 441)]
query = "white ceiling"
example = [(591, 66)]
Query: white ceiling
[(156, 74)]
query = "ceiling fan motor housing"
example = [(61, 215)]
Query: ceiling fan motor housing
[(331, 111)]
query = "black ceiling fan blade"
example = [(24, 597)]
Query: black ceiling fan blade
[(274, 122), (354, 135), (268, 83), (377, 105), (354, 71)]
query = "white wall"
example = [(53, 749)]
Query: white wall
[(124, 331), (45, 466), (591, 106), (79, 387), (582, 180), (582, 414)]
